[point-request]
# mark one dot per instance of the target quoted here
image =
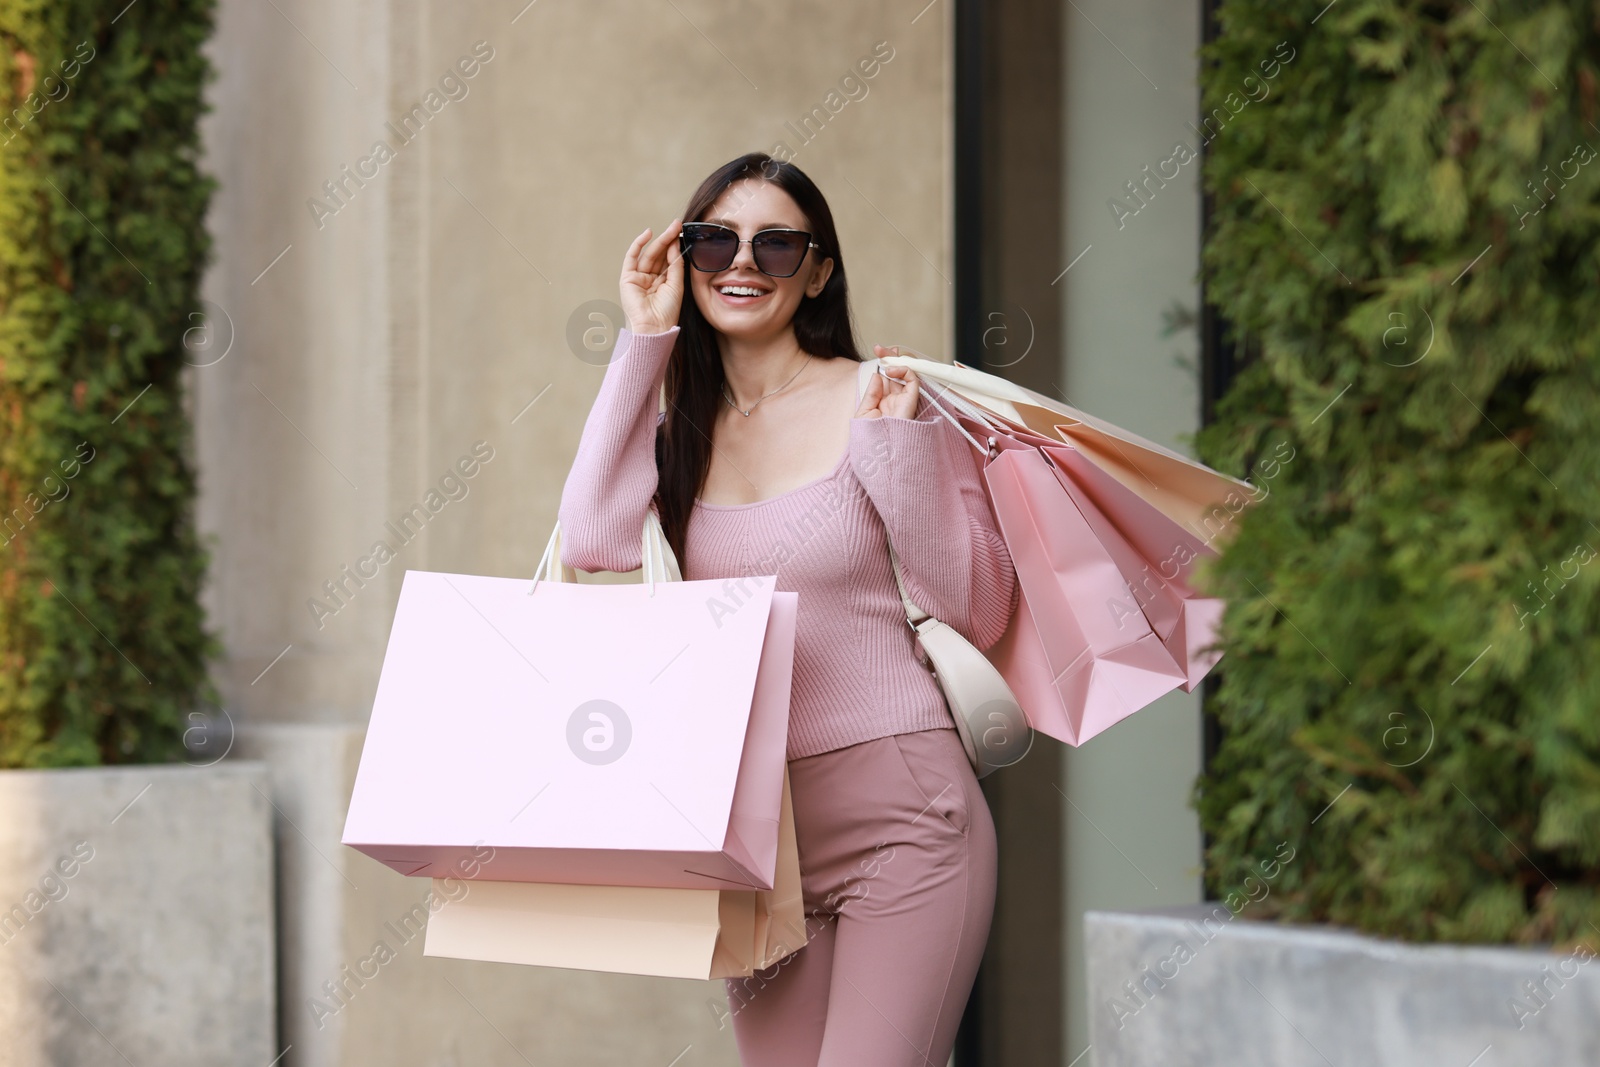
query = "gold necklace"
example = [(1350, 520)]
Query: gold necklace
[(757, 404)]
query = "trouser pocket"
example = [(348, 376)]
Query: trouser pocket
[(930, 761)]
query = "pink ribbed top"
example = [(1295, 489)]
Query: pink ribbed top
[(856, 672)]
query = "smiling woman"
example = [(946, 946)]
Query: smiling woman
[(772, 464)]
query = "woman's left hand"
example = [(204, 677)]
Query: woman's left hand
[(891, 392)]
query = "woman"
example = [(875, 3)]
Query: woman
[(768, 462)]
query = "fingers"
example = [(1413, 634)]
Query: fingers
[(653, 256), (900, 376), (871, 397), (674, 258), (630, 261), (656, 257)]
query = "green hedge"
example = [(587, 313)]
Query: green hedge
[(103, 646), (1411, 689)]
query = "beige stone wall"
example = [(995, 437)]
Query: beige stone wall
[(429, 309), (425, 308)]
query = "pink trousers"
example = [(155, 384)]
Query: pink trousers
[(897, 870)]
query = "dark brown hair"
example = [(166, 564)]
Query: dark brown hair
[(694, 375)]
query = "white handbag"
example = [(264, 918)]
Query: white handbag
[(993, 729)]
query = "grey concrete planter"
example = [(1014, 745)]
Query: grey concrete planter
[(136, 917), (1197, 987)]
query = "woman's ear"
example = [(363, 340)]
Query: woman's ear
[(819, 277)]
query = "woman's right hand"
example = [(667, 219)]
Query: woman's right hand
[(652, 281)]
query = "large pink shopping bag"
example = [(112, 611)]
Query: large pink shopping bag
[(595, 734), (1156, 556), (1154, 553), (1080, 655)]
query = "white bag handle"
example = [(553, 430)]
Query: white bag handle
[(950, 395), (659, 564)]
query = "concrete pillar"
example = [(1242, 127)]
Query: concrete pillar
[(1131, 90)]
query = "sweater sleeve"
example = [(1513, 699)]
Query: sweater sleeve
[(933, 504), (613, 478)]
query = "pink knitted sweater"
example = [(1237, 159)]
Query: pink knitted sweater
[(856, 672)]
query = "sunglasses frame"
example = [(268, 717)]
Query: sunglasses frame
[(685, 247)]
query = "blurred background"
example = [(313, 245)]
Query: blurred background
[(374, 314), (323, 253)]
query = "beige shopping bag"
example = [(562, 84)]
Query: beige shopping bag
[(671, 933), (1186, 492)]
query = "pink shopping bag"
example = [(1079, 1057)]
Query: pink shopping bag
[(1107, 619), (628, 735), (1078, 657), (1154, 553)]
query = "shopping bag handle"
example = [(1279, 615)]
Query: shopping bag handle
[(932, 390), (658, 562)]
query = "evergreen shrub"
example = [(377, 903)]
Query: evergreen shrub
[(1407, 238), (103, 646)]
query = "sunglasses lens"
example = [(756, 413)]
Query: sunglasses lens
[(780, 254), (709, 248)]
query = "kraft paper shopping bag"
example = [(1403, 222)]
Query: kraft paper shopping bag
[(671, 933)]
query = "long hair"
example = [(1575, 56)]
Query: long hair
[(694, 377)]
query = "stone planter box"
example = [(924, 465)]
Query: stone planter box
[(1195, 986), (136, 917)]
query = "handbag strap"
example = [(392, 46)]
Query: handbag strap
[(914, 615)]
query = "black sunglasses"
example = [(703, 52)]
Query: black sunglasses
[(710, 247)]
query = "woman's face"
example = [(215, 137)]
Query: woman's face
[(764, 306)]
